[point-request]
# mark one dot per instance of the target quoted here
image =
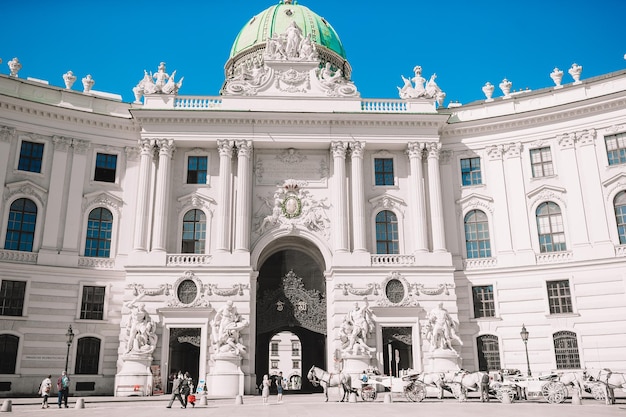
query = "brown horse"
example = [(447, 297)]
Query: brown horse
[(318, 376)]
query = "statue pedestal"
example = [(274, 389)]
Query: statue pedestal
[(442, 360), (226, 378), (354, 365), (135, 377)]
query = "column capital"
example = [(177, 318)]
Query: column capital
[(358, 149), (244, 148), (166, 147), (80, 146), (513, 150), (433, 149), (61, 143), (338, 149), (225, 147), (415, 150), (586, 137), (566, 140), (6, 133), (495, 152), (146, 146)]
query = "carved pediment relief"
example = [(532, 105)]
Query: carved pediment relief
[(26, 188), (102, 199), (546, 192), (476, 201), (388, 202)]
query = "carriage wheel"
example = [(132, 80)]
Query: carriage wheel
[(598, 391), (505, 390), (554, 391), (415, 391), (368, 393)]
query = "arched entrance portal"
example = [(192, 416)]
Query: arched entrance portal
[(291, 297)]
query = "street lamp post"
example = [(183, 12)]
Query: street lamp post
[(524, 334), (70, 338)]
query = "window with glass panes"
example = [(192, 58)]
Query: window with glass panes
[(99, 231), (541, 162), (106, 166), (12, 295), (194, 232), (21, 225), (616, 148), (31, 157), (566, 350), (383, 171), (559, 297), (196, 169), (484, 305), (477, 242), (387, 233), (274, 349), (295, 348), (620, 216), (87, 356), (470, 171), (92, 306), (488, 353), (550, 228)]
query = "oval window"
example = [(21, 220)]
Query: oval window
[(394, 290), (187, 291)]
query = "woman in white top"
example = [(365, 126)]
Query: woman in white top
[(44, 390)]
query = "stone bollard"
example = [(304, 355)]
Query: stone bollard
[(203, 400), (80, 403), (576, 397), (6, 406), (352, 397), (388, 398), (238, 400)]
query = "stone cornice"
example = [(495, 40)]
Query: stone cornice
[(515, 121)]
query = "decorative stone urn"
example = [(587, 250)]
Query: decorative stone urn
[(505, 86), (69, 78), (575, 72), (557, 76), (488, 91)]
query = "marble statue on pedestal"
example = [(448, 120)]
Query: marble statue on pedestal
[(355, 329), (225, 330), (140, 329), (417, 87), (441, 329)]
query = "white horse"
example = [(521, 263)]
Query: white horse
[(433, 379), (465, 380), (318, 376)]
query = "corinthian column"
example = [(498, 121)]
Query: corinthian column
[(416, 152), (161, 197), (225, 149), (339, 196), (434, 189), (141, 213), (242, 219), (358, 197)]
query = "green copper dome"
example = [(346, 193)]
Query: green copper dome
[(277, 18), (274, 21)]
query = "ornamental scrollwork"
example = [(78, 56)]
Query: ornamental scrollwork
[(137, 289), (438, 290), (237, 289)]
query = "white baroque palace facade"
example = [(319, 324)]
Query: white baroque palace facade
[(290, 198)]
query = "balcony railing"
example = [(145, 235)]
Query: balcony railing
[(392, 260), (188, 259), (18, 256), (554, 257), (96, 263), (197, 103), (479, 263)]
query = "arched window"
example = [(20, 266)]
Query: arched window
[(620, 215), (566, 350), (194, 231), (99, 227), (387, 233), (477, 235), (488, 353), (21, 225), (87, 356), (8, 353), (550, 228)]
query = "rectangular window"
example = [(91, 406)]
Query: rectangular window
[(484, 305), (383, 171), (295, 364), (274, 349), (274, 364), (12, 295), (105, 167), (92, 307), (559, 297), (31, 157), (541, 161), (295, 348), (470, 171), (196, 170), (616, 148)]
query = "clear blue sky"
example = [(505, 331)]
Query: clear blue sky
[(465, 42)]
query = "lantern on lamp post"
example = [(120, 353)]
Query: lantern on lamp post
[(70, 338), (524, 335)]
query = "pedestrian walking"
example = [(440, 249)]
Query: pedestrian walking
[(484, 388), (280, 386), (185, 388), (176, 386), (63, 387), (44, 390), (265, 393)]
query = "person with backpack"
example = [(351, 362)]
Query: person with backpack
[(176, 392), (185, 388), (63, 387)]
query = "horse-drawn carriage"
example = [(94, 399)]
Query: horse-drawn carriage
[(519, 387)]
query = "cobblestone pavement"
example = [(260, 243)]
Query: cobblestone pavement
[(312, 405)]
